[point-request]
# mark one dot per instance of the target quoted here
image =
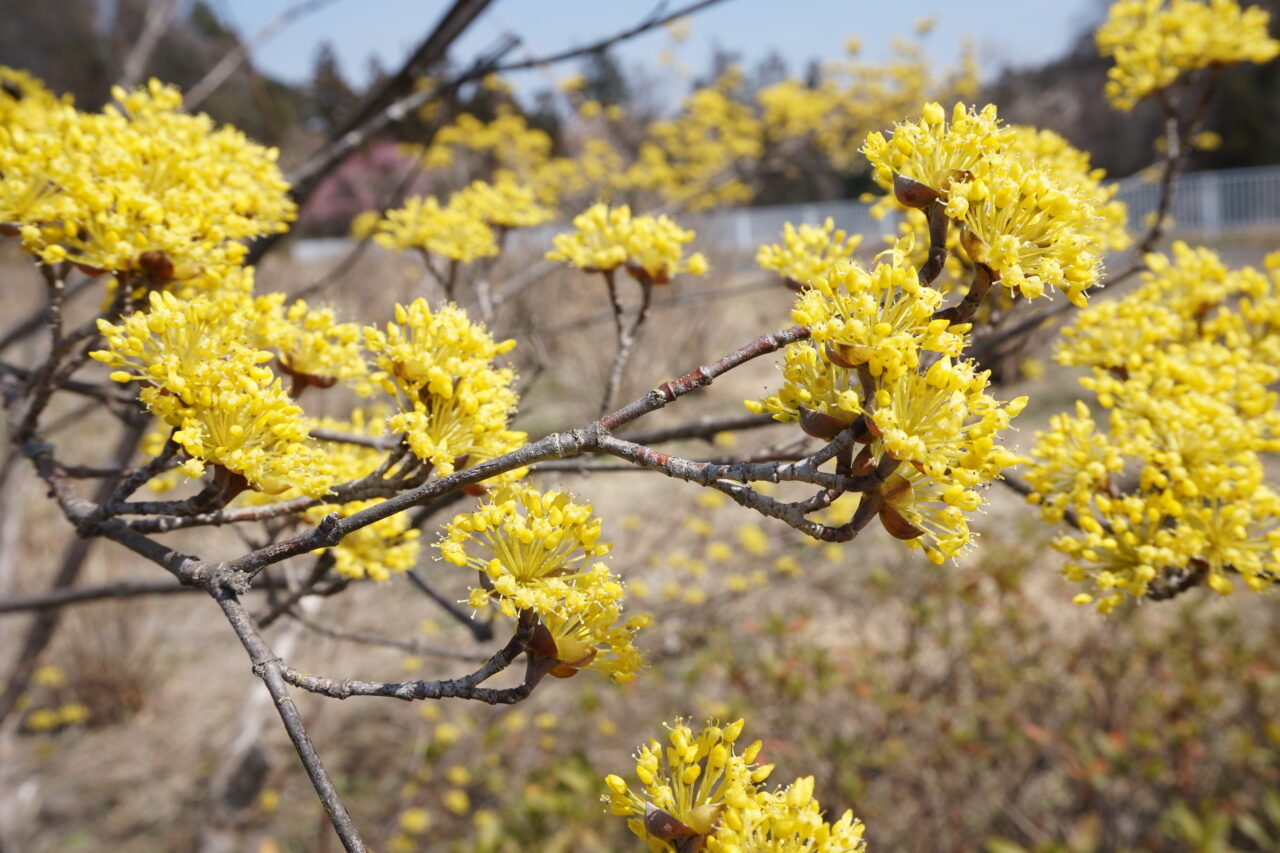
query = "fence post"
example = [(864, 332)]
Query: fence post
[(742, 228), (1210, 188)]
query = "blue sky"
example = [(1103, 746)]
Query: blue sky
[(1005, 32)]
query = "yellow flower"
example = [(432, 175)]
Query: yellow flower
[(1154, 42), (457, 231), (1073, 462), (1030, 229), (689, 785), (49, 676), (454, 404), (655, 246), (312, 347), (229, 409), (812, 384), (533, 551), (690, 160), (807, 252), (415, 821), (375, 551), (607, 238), (1173, 490), (140, 189), (788, 821), (1070, 166), (505, 203), (934, 152), (600, 242), (878, 321), (533, 547), (699, 793), (944, 423), (882, 319)]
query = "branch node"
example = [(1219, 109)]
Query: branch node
[(328, 532), (260, 668)]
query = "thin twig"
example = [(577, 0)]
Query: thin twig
[(268, 667), (81, 595), (234, 58), (626, 341), (412, 646), (481, 631), (154, 23), (465, 687), (705, 429)]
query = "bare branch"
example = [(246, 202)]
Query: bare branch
[(706, 428), (466, 687), (363, 638), (268, 667), (652, 22), (36, 320), (81, 595), (234, 58), (481, 631), (626, 338), (308, 176), (156, 21)]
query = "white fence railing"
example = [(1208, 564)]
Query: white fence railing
[(1209, 203), (1212, 204)]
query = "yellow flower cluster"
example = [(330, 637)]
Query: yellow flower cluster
[(51, 719), (690, 160), (455, 231), (854, 98), (1174, 487), (505, 203), (200, 377), (865, 359), (1072, 168), (311, 345), (1031, 228), (807, 252), (142, 188), (24, 101), (533, 551), (1075, 462), (652, 248), (1154, 42), (454, 404), (508, 140), (699, 793)]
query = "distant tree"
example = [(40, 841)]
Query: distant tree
[(605, 80), (42, 37), (332, 98), (768, 71), (722, 59), (545, 117), (205, 21)]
